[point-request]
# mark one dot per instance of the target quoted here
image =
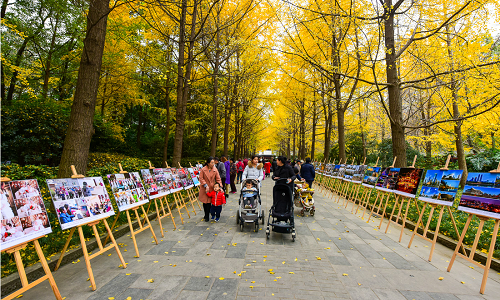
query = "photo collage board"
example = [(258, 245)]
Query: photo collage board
[(348, 172), (388, 179), (171, 173), (371, 176), (185, 177), (408, 182), (481, 195), (79, 200), (338, 171), (359, 173), (193, 172), (440, 187), (155, 182), (128, 190), (23, 213)]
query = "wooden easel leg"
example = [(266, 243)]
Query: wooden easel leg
[(190, 199), (149, 224), (20, 268), (181, 200), (86, 258), (132, 233), (404, 220), (392, 212), (158, 217), (147, 212), (71, 232), (383, 212), (46, 268), (367, 201), (416, 226), (178, 209), (476, 239), (460, 241), (431, 213), (490, 256), (112, 227), (436, 232), (110, 235), (97, 238), (373, 206), (455, 227)]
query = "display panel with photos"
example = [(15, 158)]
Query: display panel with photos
[(155, 182), (408, 181), (194, 176), (336, 171), (128, 190), (359, 173), (176, 180), (481, 195), (185, 177), (80, 200), (23, 213), (349, 171), (388, 179), (440, 187), (371, 176)]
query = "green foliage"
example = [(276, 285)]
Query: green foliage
[(483, 161)]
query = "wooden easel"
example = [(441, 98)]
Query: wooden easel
[(470, 258), (384, 194), (426, 228), (133, 232), (102, 249), (357, 187), (179, 202), (20, 267), (327, 181), (191, 196), (401, 205), (158, 215), (365, 196)]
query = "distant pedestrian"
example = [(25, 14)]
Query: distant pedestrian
[(232, 175), (267, 167), (240, 167)]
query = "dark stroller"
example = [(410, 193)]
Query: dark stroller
[(282, 210)]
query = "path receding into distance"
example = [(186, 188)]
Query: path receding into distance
[(336, 255)]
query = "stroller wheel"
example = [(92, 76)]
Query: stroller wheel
[(256, 226), (312, 212), (302, 212), (238, 217), (242, 226), (263, 216), (293, 235)]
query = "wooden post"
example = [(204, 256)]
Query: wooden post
[(376, 162), (166, 164), (445, 168), (150, 166), (121, 169), (364, 161), (393, 162), (414, 160)]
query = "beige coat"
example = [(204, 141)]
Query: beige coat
[(208, 177)]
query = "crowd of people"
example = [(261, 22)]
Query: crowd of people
[(221, 175)]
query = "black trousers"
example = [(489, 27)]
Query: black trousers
[(206, 208), (233, 186)]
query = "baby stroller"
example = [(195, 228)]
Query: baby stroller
[(282, 210), (304, 199), (250, 207)]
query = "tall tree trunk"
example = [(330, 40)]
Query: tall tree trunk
[(341, 132), (64, 77), (313, 140), (13, 79), (80, 130), (183, 80), (393, 90), (48, 61), (103, 101), (2, 79), (139, 127), (303, 130), (167, 131)]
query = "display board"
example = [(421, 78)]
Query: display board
[(128, 190), (359, 173), (194, 177), (155, 182), (172, 174), (23, 213), (336, 171), (371, 176), (440, 187), (388, 179), (349, 172), (408, 182), (481, 195), (185, 177), (80, 200)]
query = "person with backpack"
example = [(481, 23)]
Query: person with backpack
[(240, 167)]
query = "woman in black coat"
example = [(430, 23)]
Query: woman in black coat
[(284, 171)]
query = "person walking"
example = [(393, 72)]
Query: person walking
[(273, 165), (253, 170), (307, 172), (217, 200), (227, 166), (267, 166), (209, 175), (232, 175), (284, 171), (239, 167)]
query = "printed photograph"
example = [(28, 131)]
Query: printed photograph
[(479, 199), (429, 192), (482, 179), (371, 175), (155, 183), (444, 185), (388, 178), (79, 200), (176, 180), (185, 177), (194, 176), (23, 213), (128, 190), (433, 178), (409, 180)]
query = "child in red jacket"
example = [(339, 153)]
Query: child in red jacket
[(218, 199)]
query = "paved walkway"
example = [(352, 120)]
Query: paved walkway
[(336, 256)]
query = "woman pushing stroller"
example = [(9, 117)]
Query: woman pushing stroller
[(284, 171), (253, 171)]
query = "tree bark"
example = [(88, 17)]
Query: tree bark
[(13, 79), (313, 139), (167, 131), (48, 61), (80, 129), (393, 90)]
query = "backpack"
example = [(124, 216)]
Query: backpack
[(240, 167)]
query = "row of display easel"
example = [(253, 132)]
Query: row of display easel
[(163, 210), (349, 192)]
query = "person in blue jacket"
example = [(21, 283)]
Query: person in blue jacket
[(64, 217), (307, 172)]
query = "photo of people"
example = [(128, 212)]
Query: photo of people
[(128, 190), (176, 180), (194, 177), (155, 182), (388, 179), (480, 196), (440, 187), (359, 173), (79, 200), (371, 176), (185, 177), (408, 181), (23, 213)]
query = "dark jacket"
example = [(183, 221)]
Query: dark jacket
[(274, 165), (222, 169), (284, 172), (307, 172)]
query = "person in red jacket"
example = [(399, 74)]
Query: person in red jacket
[(267, 166), (218, 199)]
